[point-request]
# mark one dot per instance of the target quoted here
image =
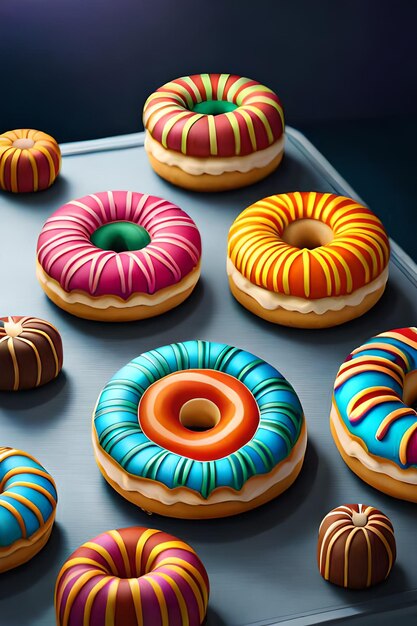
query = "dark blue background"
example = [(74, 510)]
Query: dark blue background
[(346, 72)]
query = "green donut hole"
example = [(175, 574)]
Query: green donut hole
[(214, 107), (120, 237)]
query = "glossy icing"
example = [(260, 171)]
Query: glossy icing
[(368, 395), (356, 546), (132, 576), (30, 160), (30, 352), (117, 418), (27, 497), (67, 255), (356, 256), (255, 124)]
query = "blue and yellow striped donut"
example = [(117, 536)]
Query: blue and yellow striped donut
[(125, 452), (373, 420), (28, 500)]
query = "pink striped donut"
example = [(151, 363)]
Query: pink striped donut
[(118, 256), (132, 576)]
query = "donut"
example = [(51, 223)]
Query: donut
[(356, 546), (373, 421), (132, 576), (307, 259), (212, 132), (118, 256), (30, 160), (199, 430), (30, 353), (27, 507)]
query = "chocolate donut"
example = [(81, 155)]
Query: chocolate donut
[(356, 546), (30, 353)]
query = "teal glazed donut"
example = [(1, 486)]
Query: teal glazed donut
[(373, 420), (28, 500), (199, 429)]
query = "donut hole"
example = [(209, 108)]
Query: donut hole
[(410, 389), (23, 144), (307, 233), (120, 237), (214, 107), (199, 414)]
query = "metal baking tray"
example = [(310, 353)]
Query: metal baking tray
[(262, 565)]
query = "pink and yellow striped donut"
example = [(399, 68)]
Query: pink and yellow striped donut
[(132, 576), (307, 259), (30, 160), (211, 132), (118, 256)]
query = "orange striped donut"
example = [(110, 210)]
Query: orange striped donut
[(307, 259), (211, 132), (132, 576), (30, 160)]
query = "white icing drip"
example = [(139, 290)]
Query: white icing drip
[(104, 302), (271, 300), (253, 488), (355, 450), (214, 166)]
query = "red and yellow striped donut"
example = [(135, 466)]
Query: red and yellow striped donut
[(30, 160), (307, 259), (211, 132), (132, 576)]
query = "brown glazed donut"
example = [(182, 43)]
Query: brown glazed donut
[(30, 353), (356, 546)]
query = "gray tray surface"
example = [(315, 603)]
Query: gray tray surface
[(262, 564)]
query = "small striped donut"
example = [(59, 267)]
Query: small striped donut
[(132, 576), (356, 546), (211, 132), (118, 256), (307, 259), (30, 160), (199, 430), (373, 420), (30, 353), (27, 507)]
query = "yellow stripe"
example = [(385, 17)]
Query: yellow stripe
[(306, 272), (274, 104), (386, 545), (369, 552), (137, 600), (186, 129), (35, 487), (323, 264), (163, 547), (122, 547), (91, 597), (170, 123), (37, 357), (221, 85), (160, 597), (286, 270), (176, 561), (263, 119), (3, 160), (212, 134), (196, 91), (16, 471), (236, 130), (332, 541), (205, 78), (346, 561), (200, 592), (103, 553), (46, 154), (13, 170), (34, 167), (181, 602), (111, 602), (234, 88), (250, 127), (51, 343), (140, 546), (76, 588)]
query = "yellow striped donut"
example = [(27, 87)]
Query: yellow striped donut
[(132, 576), (30, 160), (213, 131), (307, 259)]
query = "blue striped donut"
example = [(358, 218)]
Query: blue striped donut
[(373, 421), (121, 443), (28, 500)]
